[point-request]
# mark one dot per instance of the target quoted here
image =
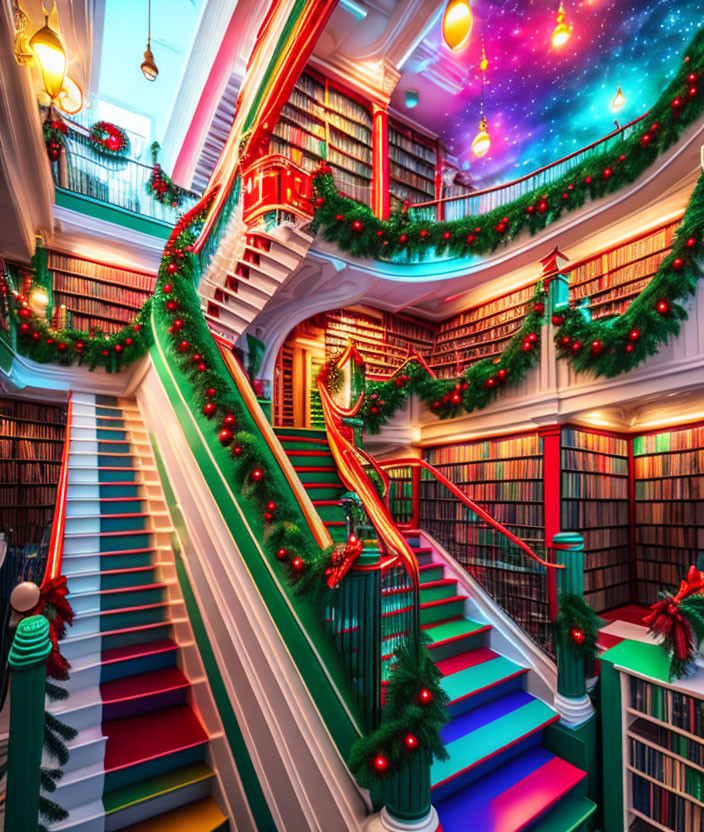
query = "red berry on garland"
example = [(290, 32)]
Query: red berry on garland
[(374, 409), (502, 373), (357, 226), (456, 398), (533, 337), (319, 201), (465, 385), (172, 268), (588, 179), (237, 450), (447, 236), (171, 305), (425, 697), (298, 563), (268, 516), (677, 102), (539, 307), (208, 409), (490, 382), (340, 217), (597, 346), (471, 238), (51, 341), (25, 313), (257, 474), (411, 742), (79, 345), (104, 352), (423, 233), (402, 239), (577, 636), (566, 340), (629, 347), (136, 327), (677, 264), (128, 342), (663, 307), (380, 764), (526, 346), (225, 436), (380, 233), (270, 506), (692, 92), (622, 157), (177, 324), (183, 346), (197, 357), (210, 392), (692, 77), (36, 336), (201, 368), (167, 289), (24, 328), (565, 195), (645, 139), (118, 347), (577, 346), (530, 209), (558, 320), (635, 334), (691, 242), (282, 554), (229, 420), (607, 173)]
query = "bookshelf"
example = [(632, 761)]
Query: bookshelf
[(481, 332), (412, 163), (320, 121), (93, 296), (609, 281), (669, 507), (382, 338), (31, 444), (283, 388), (594, 491)]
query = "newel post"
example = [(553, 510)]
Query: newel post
[(571, 700), (27, 661)]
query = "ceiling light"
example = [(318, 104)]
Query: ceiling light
[(51, 59), (457, 23), (482, 141), (148, 67), (562, 31), (618, 100)]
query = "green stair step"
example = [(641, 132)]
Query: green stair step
[(155, 786), (568, 816), (472, 679), (452, 629)]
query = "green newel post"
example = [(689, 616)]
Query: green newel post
[(27, 661), (571, 700), (407, 797)]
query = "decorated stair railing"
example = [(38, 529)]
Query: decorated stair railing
[(42, 591), (521, 580)]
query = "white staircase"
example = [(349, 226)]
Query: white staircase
[(247, 269)]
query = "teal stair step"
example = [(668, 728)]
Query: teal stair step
[(464, 688), (433, 611), (326, 474), (570, 815), (431, 572), (438, 590), (132, 636), (454, 636), (123, 522)]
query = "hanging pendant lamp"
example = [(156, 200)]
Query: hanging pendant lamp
[(148, 67)]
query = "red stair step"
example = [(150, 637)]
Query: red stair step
[(310, 469), (469, 658), (144, 684), (137, 739), (137, 651), (307, 453)]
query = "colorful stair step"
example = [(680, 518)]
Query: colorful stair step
[(201, 816)]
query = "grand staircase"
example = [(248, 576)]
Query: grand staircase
[(498, 772), (247, 269), (310, 455), (139, 761)]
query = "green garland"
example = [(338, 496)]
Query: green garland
[(414, 712), (162, 188), (576, 626), (354, 228), (614, 345), (473, 390)]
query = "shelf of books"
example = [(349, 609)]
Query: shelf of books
[(595, 503), (382, 338), (319, 121), (92, 296), (283, 388), (611, 280), (481, 332), (412, 162), (504, 476), (31, 443), (664, 756), (669, 507)]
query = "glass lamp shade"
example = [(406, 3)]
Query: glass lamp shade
[(482, 141), (148, 67), (618, 101), (51, 59), (457, 23), (70, 97)]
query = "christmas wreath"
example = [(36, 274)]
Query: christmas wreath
[(54, 131), (109, 140)]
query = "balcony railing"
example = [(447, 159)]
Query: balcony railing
[(484, 201), (121, 183)]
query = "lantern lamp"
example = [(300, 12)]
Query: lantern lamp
[(457, 23), (50, 56), (562, 31)]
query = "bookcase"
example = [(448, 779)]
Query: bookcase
[(93, 296), (480, 332), (412, 163), (669, 506), (609, 281), (320, 121), (382, 338), (594, 492), (31, 444), (283, 388)]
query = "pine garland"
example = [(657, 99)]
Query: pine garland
[(576, 626), (54, 131), (614, 345), (162, 188), (475, 389), (354, 228), (414, 712)]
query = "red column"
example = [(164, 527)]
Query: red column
[(380, 161), (551, 499)]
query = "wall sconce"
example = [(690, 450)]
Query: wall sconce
[(50, 56)]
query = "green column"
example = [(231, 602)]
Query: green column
[(407, 793), (27, 661)]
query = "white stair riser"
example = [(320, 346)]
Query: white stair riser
[(88, 819), (80, 491), (85, 624), (80, 563), (73, 648), (82, 604), (82, 678), (81, 584), (80, 507), (82, 754), (82, 525), (81, 718), (81, 544), (78, 792), (80, 430), (79, 445), (82, 475)]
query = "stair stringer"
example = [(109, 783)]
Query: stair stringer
[(305, 781), (506, 637)]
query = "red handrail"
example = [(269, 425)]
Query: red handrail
[(527, 176), (421, 463), (56, 541)]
